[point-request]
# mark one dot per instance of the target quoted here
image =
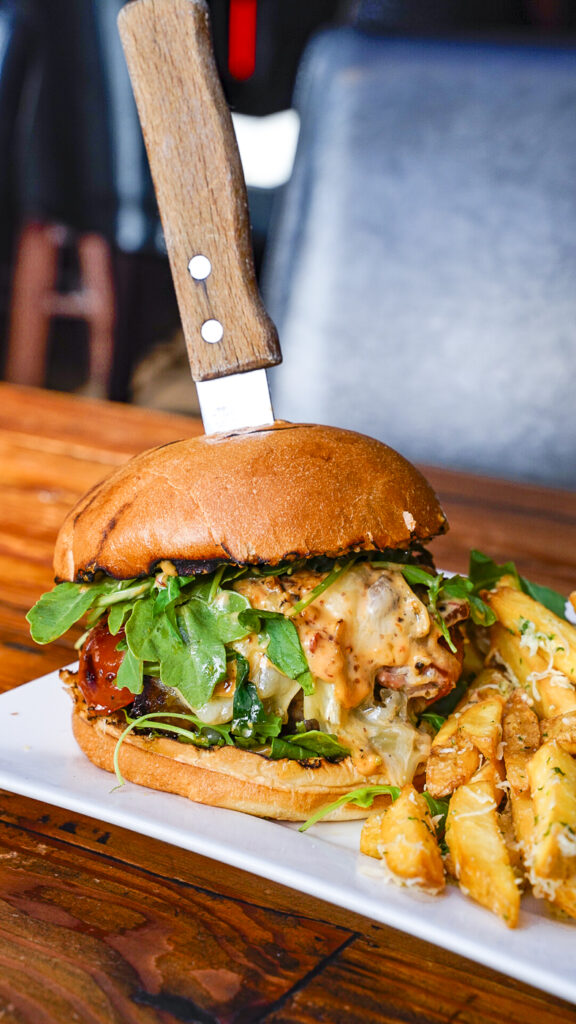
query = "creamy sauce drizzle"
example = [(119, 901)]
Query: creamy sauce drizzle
[(368, 622)]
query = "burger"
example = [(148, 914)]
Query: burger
[(263, 626)]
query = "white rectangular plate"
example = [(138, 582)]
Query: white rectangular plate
[(39, 758)]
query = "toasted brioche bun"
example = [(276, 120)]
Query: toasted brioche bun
[(239, 780), (253, 497)]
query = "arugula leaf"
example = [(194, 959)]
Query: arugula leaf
[(205, 736), (111, 591), (551, 599), (436, 807), (59, 609), (250, 619), (202, 664), (416, 576), (363, 797), (284, 648), (439, 810), (226, 610), (251, 722), (140, 630), (436, 721), (462, 588), (117, 616), (306, 680), (169, 593), (130, 673), (281, 748), (484, 573), (441, 588), (285, 651), (304, 745), (56, 611)]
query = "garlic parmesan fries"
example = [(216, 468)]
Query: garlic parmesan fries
[(501, 766)]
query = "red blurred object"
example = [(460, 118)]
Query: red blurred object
[(242, 38)]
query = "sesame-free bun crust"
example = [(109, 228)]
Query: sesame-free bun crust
[(252, 497), (227, 777)]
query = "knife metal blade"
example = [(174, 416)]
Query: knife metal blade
[(230, 403)]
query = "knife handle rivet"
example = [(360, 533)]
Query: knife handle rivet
[(212, 331), (199, 267)]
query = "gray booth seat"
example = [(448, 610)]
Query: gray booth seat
[(422, 269)]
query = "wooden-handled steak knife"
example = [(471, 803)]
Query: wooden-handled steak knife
[(201, 195)]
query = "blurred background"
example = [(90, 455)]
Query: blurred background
[(410, 170)]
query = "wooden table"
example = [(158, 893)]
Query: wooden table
[(98, 925)]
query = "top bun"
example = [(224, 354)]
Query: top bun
[(258, 496)]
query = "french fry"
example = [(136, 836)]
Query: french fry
[(561, 894), (449, 767), (490, 682), (523, 821), (562, 728), (477, 848), (508, 830), (552, 694), (481, 724), (403, 837), (565, 897), (520, 732), (508, 581), (552, 774), (521, 739), (558, 637), (516, 722), (465, 736)]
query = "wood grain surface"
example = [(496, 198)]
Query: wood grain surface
[(103, 926)]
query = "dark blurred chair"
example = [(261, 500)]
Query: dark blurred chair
[(86, 201), (18, 54), (422, 268)]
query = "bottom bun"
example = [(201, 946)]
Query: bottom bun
[(238, 780)]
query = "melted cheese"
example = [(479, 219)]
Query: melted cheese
[(367, 619), (381, 736)]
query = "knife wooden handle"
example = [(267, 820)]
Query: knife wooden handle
[(199, 185)]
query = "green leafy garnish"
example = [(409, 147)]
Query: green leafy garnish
[(130, 673), (252, 725), (301, 746), (285, 651), (177, 628), (202, 736), (58, 610), (363, 797), (438, 809), (443, 588), (284, 648), (484, 574), (435, 720)]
